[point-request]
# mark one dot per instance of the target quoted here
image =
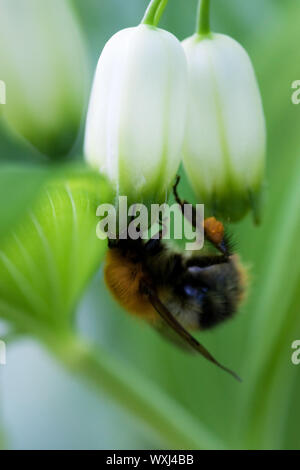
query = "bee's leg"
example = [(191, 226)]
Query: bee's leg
[(112, 243), (179, 201), (182, 203), (204, 261), (155, 240), (154, 244), (213, 229), (215, 233)]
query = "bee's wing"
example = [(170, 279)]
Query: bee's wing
[(182, 334), (171, 335)]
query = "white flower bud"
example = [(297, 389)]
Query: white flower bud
[(137, 112), (43, 64), (224, 149)]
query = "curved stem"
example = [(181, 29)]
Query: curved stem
[(157, 410), (203, 18), (154, 12), (159, 11)]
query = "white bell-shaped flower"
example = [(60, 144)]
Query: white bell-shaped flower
[(225, 139), (43, 66), (137, 112)]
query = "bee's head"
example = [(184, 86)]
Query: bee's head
[(214, 291)]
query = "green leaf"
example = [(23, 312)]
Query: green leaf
[(18, 187), (44, 265), (47, 260)]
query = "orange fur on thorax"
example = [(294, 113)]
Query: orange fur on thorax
[(123, 278)]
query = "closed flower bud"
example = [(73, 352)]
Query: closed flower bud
[(43, 64), (137, 112), (224, 149)]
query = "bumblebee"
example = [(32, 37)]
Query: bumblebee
[(177, 292)]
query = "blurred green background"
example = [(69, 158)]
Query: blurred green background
[(45, 407)]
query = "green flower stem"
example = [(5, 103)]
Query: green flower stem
[(155, 409), (203, 18), (159, 11), (154, 12)]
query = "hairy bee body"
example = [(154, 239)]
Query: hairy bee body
[(176, 291), (200, 293), (123, 278)]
